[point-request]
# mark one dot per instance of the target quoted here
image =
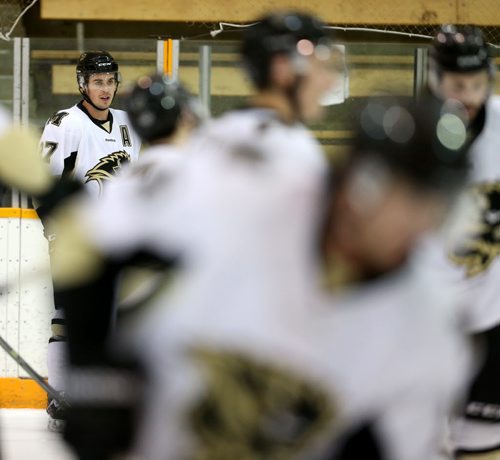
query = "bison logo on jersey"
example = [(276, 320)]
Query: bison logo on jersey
[(250, 409), (107, 167), (481, 242)]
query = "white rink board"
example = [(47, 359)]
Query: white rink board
[(26, 303)]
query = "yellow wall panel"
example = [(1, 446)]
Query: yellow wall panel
[(372, 82), (64, 77), (332, 11), (226, 81), (480, 12)]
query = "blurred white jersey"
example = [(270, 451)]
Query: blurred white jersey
[(88, 150), (246, 369), (248, 162), (5, 121), (247, 360), (472, 265)]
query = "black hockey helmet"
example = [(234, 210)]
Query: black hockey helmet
[(290, 33), (92, 62), (156, 104), (426, 146), (460, 49)]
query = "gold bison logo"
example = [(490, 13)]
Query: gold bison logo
[(250, 409), (107, 167), (481, 242)]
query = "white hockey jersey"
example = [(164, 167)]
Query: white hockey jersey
[(250, 367), (5, 121), (248, 359), (90, 151), (471, 266), (248, 145)]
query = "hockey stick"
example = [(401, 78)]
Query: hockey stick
[(53, 393)]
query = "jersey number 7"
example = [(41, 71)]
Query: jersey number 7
[(48, 148)]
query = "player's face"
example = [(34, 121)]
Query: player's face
[(387, 229), (320, 77), (471, 90), (101, 89)]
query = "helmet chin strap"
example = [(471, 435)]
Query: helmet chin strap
[(87, 98)]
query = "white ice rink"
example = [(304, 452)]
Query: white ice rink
[(24, 436)]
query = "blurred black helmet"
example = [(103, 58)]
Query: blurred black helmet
[(92, 62), (155, 106), (426, 145), (291, 33), (460, 49)]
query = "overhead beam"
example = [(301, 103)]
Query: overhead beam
[(331, 11), (479, 12)]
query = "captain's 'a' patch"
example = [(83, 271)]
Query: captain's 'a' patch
[(107, 167)]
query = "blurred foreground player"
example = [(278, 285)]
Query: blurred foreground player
[(395, 186), (250, 360), (462, 73), (87, 143)]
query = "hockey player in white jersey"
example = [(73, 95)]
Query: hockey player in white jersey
[(248, 362), (89, 143), (462, 73)]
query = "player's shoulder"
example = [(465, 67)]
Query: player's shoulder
[(65, 118), (119, 115), (256, 124), (235, 122), (494, 105), (492, 119)]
